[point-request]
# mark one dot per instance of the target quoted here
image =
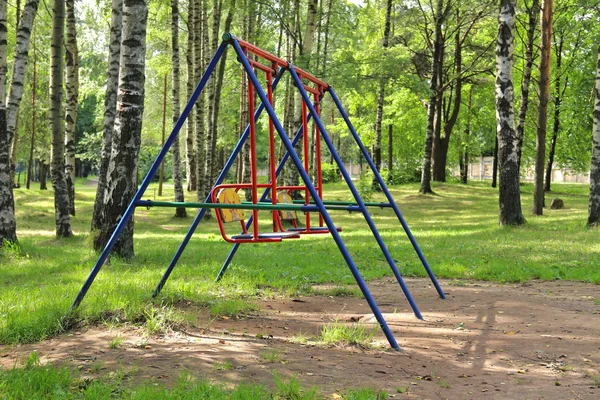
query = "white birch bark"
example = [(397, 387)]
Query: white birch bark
[(180, 212), (59, 184), (509, 193), (190, 156), (122, 169), (72, 88), (110, 109), (20, 59), (8, 226), (594, 204)]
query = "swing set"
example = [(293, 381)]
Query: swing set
[(275, 199)]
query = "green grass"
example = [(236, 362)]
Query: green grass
[(347, 334), (457, 230)]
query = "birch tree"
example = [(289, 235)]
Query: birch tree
[(180, 212), (110, 108), (19, 68), (381, 93), (594, 204), (190, 157), (509, 192), (8, 226), (542, 121), (72, 89), (122, 169), (57, 170)]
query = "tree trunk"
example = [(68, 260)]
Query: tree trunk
[(122, 169), (531, 27), (390, 152), (72, 90), (19, 68), (43, 175), (544, 84), (558, 93), (441, 144), (495, 164), (245, 116), (381, 94), (464, 157), (433, 109), (161, 172), (594, 204), (190, 157), (59, 184), (33, 113), (8, 225), (510, 192), (180, 212), (110, 109)]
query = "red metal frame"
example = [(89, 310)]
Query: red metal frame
[(271, 70)]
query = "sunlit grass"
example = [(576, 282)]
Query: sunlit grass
[(457, 230)]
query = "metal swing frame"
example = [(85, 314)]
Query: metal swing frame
[(278, 68)]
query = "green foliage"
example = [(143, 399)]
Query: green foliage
[(330, 173)]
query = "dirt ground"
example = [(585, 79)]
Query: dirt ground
[(539, 340)]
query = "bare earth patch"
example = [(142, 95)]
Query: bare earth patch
[(526, 341)]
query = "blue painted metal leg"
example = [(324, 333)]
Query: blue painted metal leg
[(313, 192), (263, 197), (161, 155), (358, 199), (387, 194), (219, 180)]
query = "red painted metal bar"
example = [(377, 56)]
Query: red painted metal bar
[(318, 155), (306, 154), (316, 92), (272, 161), (261, 67), (253, 159), (250, 48)]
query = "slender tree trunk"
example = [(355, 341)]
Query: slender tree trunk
[(8, 225), (529, 45), (433, 109), (495, 164), (59, 184), (205, 168), (72, 90), (557, 103), (594, 203), (381, 94), (19, 68), (464, 157), (510, 192), (201, 52), (180, 212), (190, 157), (245, 116), (122, 169), (33, 112), (43, 175), (161, 172), (390, 152), (214, 165), (110, 109), (544, 83)]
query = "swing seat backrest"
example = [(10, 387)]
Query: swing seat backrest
[(230, 196), (285, 198)]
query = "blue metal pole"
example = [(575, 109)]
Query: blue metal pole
[(140, 192), (220, 179), (357, 198), (313, 192), (387, 194), (236, 246)]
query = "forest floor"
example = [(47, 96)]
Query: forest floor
[(534, 340)]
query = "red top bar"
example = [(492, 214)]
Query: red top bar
[(280, 62)]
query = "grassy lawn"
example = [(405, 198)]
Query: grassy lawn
[(456, 228)]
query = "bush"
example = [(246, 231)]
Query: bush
[(330, 173), (402, 174)]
